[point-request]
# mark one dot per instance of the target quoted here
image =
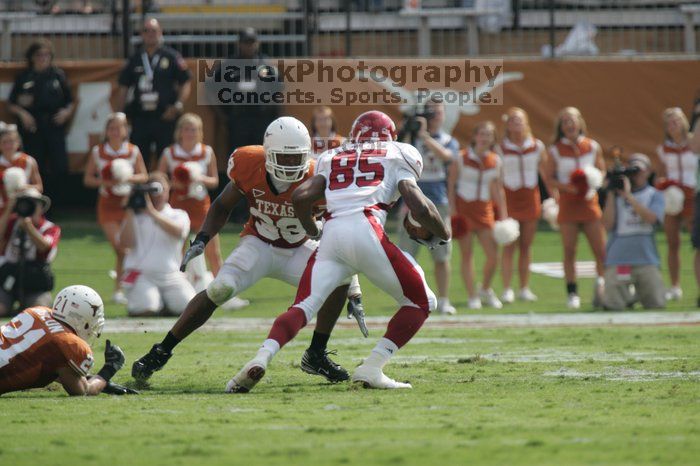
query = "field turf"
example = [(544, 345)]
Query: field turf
[(502, 396)]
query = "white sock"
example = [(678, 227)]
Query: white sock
[(268, 350), (443, 302), (381, 353)]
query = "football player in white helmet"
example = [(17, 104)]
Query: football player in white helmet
[(42, 345), (273, 244)]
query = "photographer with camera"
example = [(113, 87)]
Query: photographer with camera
[(439, 149), (29, 243), (153, 235), (632, 209)]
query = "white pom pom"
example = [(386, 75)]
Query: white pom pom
[(122, 170), (506, 231), (195, 170), (674, 198), (550, 212), (594, 179), (14, 179)]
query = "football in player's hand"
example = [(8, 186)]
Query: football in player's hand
[(414, 229)]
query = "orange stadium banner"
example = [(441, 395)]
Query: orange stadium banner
[(621, 101)]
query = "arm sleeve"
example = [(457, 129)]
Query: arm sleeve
[(126, 76), (181, 217), (16, 87), (77, 353), (410, 162), (182, 72), (65, 87), (323, 165), (658, 206)]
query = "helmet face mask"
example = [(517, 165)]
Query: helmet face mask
[(287, 147), (82, 309)]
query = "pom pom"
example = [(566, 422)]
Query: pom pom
[(550, 212), (187, 172), (674, 199), (122, 170), (106, 173), (506, 231), (459, 226), (663, 185), (578, 179), (594, 180), (14, 180)]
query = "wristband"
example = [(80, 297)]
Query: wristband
[(107, 372), (203, 237)]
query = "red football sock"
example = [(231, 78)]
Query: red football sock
[(287, 326), (405, 323)]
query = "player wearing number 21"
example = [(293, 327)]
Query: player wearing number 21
[(42, 345)]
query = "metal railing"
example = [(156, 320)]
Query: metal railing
[(94, 29)]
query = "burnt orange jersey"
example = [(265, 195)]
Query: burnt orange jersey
[(34, 346), (271, 213)]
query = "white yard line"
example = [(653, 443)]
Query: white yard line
[(581, 319)]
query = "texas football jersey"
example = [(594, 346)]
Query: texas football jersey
[(33, 346), (366, 176), (271, 213)]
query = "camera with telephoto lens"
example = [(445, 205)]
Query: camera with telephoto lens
[(410, 125), (137, 199), (25, 206), (618, 173)]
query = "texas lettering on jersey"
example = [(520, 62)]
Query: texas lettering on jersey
[(271, 214)]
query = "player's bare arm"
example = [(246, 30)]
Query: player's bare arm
[(78, 385), (304, 198), (422, 209)]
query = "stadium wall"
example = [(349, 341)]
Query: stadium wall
[(621, 101)]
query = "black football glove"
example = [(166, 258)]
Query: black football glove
[(114, 360), (196, 249), (116, 389)]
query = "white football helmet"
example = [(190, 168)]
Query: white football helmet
[(287, 136), (81, 308)]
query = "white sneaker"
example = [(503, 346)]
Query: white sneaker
[(247, 378), (675, 293), (508, 297), (235, 304), (488, 298), (527, 295), (444, 307), (474, 303), (119, 297), (573, 302), (373, 377)]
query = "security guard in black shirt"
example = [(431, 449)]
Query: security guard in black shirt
[(42, 101), (152, 88)]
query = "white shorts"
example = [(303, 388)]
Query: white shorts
[(149, 293), (358, 243), (254, 259)]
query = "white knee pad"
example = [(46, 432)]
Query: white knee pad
[(221, 290)]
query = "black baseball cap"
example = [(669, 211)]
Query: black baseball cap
[(248, 35)]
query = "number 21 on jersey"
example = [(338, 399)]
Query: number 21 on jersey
[(355, 166)]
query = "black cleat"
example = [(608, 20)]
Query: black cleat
[(318, 363), (155, 360), (357, 310)]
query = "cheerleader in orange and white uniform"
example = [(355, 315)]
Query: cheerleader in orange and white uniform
[(677, 163), (11, 156), (323, 131), (572, 153), (475, 192), (523, 159), (191, 166), (112, 167)]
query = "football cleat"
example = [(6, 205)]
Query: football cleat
[(357, 310), (247, 378), (573, 301), (318, 363), (153, 361), (373, 377)]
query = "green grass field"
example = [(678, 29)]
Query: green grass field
[(502, 396)]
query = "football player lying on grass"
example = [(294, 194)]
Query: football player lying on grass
[(42, 345)]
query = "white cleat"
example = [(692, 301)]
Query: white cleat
[(675, 293), (235, 304), (488, 298), (373, 377), (508, 296), (247, 378), (119, 297), (474, 303), (573, 301), (445, 308), (527, 295)]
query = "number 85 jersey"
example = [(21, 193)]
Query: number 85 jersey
[(271, 213), (365, 176)]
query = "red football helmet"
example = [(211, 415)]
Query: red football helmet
[(373, 126)]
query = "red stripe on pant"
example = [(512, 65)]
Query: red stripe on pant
[(287, 325), (410, 279)]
